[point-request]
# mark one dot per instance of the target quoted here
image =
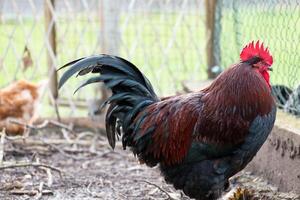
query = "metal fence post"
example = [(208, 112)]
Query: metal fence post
[(50, 29), (212, 36)]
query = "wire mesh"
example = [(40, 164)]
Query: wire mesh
[(276, 23), (165, 39)]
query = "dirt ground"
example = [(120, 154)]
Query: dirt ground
[(58, 163)]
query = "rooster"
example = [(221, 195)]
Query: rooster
[(199, 139)]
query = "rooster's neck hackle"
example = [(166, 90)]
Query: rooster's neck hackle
[(234, 100), (243, 88)]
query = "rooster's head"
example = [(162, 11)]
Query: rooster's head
[(259, 58)]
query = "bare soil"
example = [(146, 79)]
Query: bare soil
[(87, 168)]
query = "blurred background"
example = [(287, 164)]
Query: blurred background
[(172, 41)]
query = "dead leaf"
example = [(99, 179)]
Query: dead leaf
[(27, 59)]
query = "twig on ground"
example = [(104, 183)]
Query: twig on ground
[(12, 138), (161, 189), (2, 140), (44, 125), (92, 148), (40, 149), (61, 125), (30, 192), (117, 192), (66, 134), (39, 193), (61, 151), (50, 177), (93, 194), (99, 156), (33, 157), (15, 151), (14, 121), (27, 127), (84, 134), (32, 142), (18, 165), (12, 185)]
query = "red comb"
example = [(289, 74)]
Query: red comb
[(252, 50)]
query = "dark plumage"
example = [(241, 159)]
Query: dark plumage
[(199, 139)]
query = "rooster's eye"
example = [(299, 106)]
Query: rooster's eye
[(256, 66)]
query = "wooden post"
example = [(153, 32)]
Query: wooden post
[(212, 43), (1, 8), (50, 30), (110, 40), (110, 26)]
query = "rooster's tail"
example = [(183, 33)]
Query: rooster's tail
[(131, 90)]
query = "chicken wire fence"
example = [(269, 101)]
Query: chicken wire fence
[(168, 40)]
